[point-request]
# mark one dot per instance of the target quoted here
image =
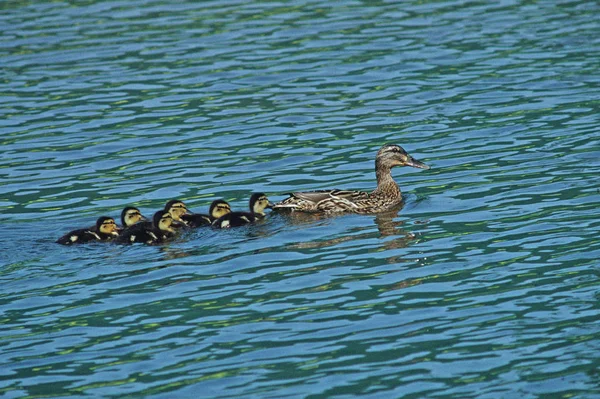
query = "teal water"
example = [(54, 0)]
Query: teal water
[(484, 285)]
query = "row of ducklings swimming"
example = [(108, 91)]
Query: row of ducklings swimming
[(386, 196), (164, 224)]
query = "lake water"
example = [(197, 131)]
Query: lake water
[(484, 285)]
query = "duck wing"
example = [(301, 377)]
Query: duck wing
[(197, 220), (234, 219), (326, 195), (323, 200), (139, 232), (79, 236)]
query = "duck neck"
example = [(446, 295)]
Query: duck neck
[(385, 182)]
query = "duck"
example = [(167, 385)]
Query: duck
[(157, 231), (217, 209), (130, 216), (104, 230), (177, 209), (258, 203), (386, 196)]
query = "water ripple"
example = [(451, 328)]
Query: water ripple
[(484, 284)]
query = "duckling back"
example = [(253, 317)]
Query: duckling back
[(258, 203), (235, 219), (79, 236), (148, 232), (217, 209), (142, 232), (104, 230)]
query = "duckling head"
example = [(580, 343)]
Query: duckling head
[(163, 220), (219, 208), (106, 225), (259, 202), (176, 208), (391, 155), (130, 216)]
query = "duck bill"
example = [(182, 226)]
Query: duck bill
[(270, 205), (416, 164)]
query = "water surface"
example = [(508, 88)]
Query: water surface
[(484, 285)]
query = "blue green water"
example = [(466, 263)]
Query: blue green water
[(484, 285)]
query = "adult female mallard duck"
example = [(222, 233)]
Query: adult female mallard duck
[(157, 231), (387, 195), (104, 230), (217, 209), (258, 203)]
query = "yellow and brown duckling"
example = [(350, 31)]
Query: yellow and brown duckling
[(218, 208), (386, 196), (177, 209), (258, 203), (104, 230), (130, 216), (157, 231)]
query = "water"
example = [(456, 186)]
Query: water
[(484, 285)]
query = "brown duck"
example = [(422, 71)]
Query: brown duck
[(387, 195)]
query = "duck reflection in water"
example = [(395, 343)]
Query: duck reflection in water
[(386, 227)]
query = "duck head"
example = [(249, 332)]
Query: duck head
[(391, 155), (259, 202), (106, 225), (219, 208), (130, 216), (163, 220), (176, 208)]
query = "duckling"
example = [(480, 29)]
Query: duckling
[(258, 203), (157, 231), (177, 209), (104, 230), (130, 216), (217, 209), (387, 195)]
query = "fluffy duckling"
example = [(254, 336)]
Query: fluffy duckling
[(104, 230), (177, 209), (157, 231), (130, 216), (258, 203), (386, 196), (217, 209)]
